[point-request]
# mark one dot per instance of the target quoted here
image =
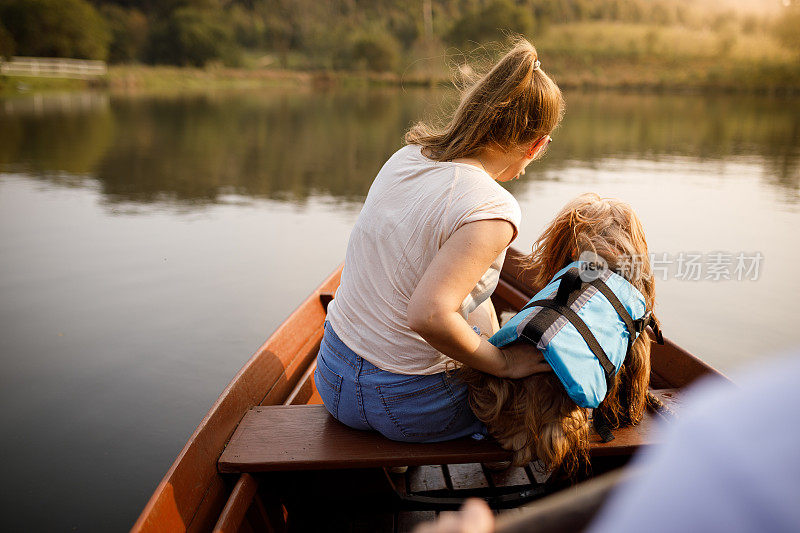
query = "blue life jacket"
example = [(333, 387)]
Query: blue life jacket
[(584, 329)]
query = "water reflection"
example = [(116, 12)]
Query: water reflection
[(707, 128), (54, 135), (292, 144)]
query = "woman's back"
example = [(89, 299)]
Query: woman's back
[(425, 255), (414, 205)]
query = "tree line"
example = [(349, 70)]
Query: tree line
[(338, 34)]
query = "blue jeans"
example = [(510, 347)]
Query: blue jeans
[(410, 408)]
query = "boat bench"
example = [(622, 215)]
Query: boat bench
[(307, 437)]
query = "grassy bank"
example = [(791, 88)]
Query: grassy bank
[(603, 55), (13, 85), (672, 58)]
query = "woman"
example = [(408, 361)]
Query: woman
[(425, 255)]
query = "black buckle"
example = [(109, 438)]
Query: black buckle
[(640, 323), (648, 320)]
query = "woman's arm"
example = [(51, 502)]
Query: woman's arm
[(433, 311)]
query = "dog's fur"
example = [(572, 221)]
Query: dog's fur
[(534, 417)]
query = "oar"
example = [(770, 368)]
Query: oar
[(568, 510)]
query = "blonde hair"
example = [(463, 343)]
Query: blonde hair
[(534, 417), (514, 104)]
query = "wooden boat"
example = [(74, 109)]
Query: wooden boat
[(340, 489)]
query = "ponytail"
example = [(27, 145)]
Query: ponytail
[(514, 104)]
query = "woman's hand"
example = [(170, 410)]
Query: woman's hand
[(522, 360), (474, 517)]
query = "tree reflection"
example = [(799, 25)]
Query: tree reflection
[(286, 146), (51, 136), (292, 144)]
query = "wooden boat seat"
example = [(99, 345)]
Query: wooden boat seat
[(307, 437)]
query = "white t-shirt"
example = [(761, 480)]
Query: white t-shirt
[(414, 205)]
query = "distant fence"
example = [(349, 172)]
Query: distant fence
[(52, 67)]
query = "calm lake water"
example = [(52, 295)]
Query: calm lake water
[(149, 245)]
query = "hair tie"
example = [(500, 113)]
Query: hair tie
[(536, 64)]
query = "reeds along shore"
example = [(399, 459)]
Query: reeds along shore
[(648, 75), (702, 76)]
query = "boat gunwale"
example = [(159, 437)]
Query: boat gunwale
[(227, 396)]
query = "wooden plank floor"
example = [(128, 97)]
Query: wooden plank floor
[(455, 480)]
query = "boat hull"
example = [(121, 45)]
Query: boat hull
[(194, 496)]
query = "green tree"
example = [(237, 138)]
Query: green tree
[(128, 33), (489, 23), (7, 45), (191, 36), (248, 27), (379, 52), (56, 28), (162, 8)]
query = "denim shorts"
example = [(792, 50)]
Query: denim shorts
[(410, 408)]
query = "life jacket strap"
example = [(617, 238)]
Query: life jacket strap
[(574, 282), (546, 317), (602, 426), (620, 309), (583, 329), (570, 281), (567, 291)]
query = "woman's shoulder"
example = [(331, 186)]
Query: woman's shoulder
[(408, 163), (477, 197), (469, 183), (474, 183), (407, 158), (411, 151)]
